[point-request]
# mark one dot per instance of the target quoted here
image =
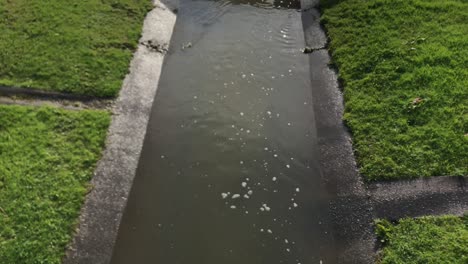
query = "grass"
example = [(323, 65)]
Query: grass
[(404, 68), (424, 240), (80, 47), (47, 157)]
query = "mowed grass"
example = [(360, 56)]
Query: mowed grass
[(80, 47), (47, 157), (404, 68), (425, 240)]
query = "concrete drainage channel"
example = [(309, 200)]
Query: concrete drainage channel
[(346, 223)]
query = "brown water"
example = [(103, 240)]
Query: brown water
[(228, 172)]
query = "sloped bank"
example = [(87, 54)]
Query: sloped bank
[(357, 204), (101, 214)]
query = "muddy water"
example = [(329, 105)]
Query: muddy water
[(228, 173)]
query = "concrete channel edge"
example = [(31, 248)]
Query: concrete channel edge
[(102, 211), (356, 204)]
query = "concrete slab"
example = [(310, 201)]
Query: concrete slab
[(104, 206), (351, 211), (425, 196)]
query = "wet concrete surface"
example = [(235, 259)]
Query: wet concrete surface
[(351, 222), (229, 171)]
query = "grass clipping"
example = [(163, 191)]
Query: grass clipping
[(47, 157), (404, 67), (81, 47), (425, 240)]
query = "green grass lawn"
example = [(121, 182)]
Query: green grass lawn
[(425, 240), (404, 68), (47, 157), (80, 47)]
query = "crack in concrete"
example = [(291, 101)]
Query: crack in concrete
[(155, 45), (308, 50)]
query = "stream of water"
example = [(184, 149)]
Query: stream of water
[(228, 173)]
